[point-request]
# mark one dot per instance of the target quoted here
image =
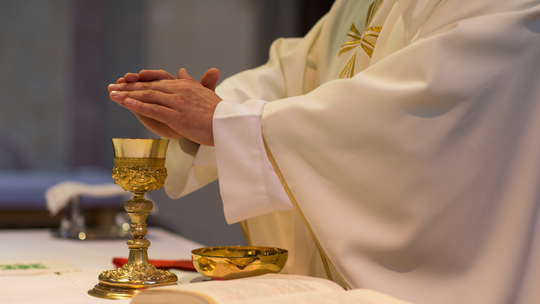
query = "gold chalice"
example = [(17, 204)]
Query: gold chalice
[(139, 166)]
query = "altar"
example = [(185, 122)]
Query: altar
[(90, 256)]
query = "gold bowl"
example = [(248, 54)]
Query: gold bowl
[(233, 262)]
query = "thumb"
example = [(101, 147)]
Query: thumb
[(210, 79), (182, 74)]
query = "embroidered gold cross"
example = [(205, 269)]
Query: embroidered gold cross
[(367, 40)]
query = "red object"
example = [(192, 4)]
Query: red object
[(186, 265)]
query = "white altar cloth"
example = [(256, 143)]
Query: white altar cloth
[(92, 256)]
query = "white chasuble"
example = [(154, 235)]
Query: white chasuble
[(406, 134)]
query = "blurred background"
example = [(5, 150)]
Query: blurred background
[(56, 120)]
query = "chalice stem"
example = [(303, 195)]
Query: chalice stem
[(138, 209)]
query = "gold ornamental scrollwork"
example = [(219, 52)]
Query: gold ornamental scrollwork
[(139, 174), (136, 273)]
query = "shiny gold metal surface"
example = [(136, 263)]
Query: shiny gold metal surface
[(139, 147), (139, 166), (233, 262)]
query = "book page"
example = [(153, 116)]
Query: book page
[(167, 297), (268, 286), (357, 296), (256, 288)]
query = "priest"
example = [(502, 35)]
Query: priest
[(396, 147)]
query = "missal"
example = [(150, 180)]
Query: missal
[(266, 289)]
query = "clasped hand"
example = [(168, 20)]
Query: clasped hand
[(168, 106)]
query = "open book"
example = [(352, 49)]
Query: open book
[(265, 289)]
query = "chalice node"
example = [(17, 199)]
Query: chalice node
[(139, 166)]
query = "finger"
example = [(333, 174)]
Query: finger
[(121, 80), (153, 111), (182, 74), (148, 96), (131, 77), (162, 86), (154, 75), (210, 79)]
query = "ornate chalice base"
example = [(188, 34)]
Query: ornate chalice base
[(128, 280), (137, 175)]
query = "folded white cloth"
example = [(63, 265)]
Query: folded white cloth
[(19, 268), (59, 195)]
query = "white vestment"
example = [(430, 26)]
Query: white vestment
[(402, 136)]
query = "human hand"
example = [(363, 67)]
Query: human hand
[(145, 75), (172, 108), (209, 79), (153, 125)]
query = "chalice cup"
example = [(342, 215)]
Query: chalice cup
[(139, 166)]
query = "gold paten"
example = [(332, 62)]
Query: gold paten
[(139, 166), (233, 262)]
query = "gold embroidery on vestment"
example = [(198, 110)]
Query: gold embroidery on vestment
[(348, 71), (367, 40)]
